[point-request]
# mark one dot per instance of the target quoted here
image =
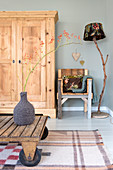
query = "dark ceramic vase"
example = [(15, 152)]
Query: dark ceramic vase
[(24, 113)]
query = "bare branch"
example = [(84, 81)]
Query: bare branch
[(106, 59)]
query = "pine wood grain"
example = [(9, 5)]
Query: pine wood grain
[(31, 128), (39, 127), (4, 121), (9, 131), (20, 32), (6, 126)]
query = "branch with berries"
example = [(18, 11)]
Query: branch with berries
[(70, 39)]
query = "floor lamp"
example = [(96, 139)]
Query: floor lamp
[(94, 32)]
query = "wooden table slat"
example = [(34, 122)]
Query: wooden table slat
[(30, 128), (9, 130), (6, 126), (19, 139), (5, 121), (39, 127), (17, 132), (2, 118)]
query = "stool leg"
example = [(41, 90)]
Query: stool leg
[(85, 106), (89, 98), (59, 100)]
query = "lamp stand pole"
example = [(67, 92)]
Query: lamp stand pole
[(100, 114)]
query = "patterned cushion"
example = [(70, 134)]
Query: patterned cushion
[(68, 83)]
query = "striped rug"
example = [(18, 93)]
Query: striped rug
[(62, 150)]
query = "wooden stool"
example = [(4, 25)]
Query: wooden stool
[(29, 136), (64, 96)]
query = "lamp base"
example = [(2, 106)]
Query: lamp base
[(99, 115)]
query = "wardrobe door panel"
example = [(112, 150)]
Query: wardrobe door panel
[(33, 49), (7, 61)]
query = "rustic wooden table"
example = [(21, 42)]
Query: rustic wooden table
[(28, 136)]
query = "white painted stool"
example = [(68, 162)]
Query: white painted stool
[(63, 97)]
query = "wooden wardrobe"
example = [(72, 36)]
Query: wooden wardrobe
[(21, 34)]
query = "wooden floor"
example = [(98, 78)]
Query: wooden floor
[(78, 121)]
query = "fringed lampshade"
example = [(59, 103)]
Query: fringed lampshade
[(93, 30)]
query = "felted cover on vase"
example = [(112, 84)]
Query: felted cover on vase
[(24, 113)]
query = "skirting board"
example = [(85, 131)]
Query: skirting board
[(94, 108)]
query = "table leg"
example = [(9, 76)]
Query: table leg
[(29, 149), (29, 155)]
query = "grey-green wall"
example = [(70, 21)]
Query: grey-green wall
[(73, 16), (108, 98)]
